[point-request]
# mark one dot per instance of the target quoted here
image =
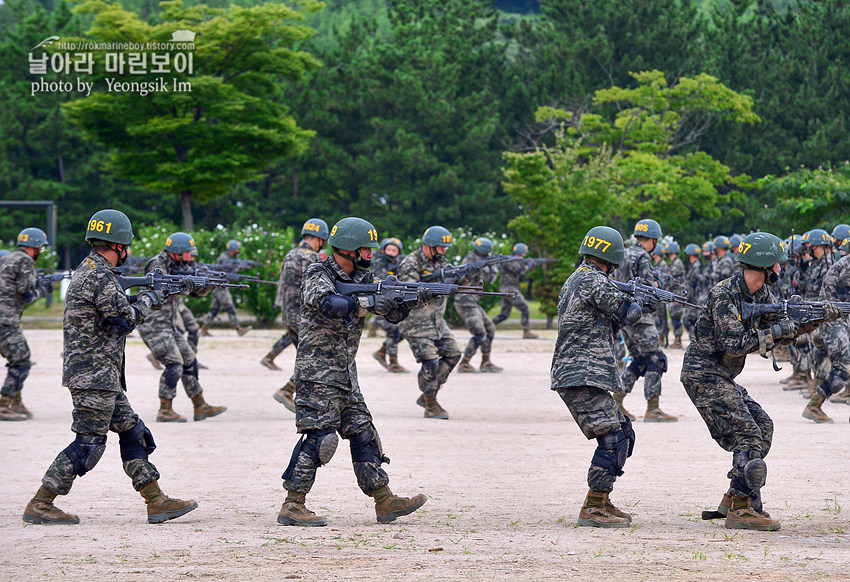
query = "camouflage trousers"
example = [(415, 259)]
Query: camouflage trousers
[(836, 340), (647, 359), (289, 337), (96, 412), (193, 330), (819, 356), (480, 326), (661, 326), (178, 357), (596, 414), (222, 300), (319, 407), (393, 337), (438, 358), (508, 303), (801, 354), (676, 313), (13, 347), (690, 319)]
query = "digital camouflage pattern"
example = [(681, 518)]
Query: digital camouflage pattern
[(697, 286), (677, 270), (288, 296), (475, 277), (836, 334), (723, 268), (382, 267), (17, 276), (424, 321), (168, 317), (812, 280), (222, 300), (511, 274), (473, 315)]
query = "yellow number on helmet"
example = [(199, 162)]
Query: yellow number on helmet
[(333, 232), (23, 238), (168, 242)]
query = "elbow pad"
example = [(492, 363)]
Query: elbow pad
[(117, 325), (338, 306), (629, 312), (397, 315), (30, 295)]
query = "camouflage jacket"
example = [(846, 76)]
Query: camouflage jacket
[(17, 276), (836, 282), (723, 268), (382, 265), (587, 321), (721, 339), (697, 283), (512, 272), (677, 269), (637, 264), (812, 279), (168, 318), (288, 298), (478, 277), (326, 346), (93, 354), (425, 321)]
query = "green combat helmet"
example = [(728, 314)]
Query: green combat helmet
[(763, 250), (437, 236), (841, 232), (32, 237), (519, 248), (482, 246), (672, 248), (179, 242), (351, 234), (316, 227), (392, 241), (604, 243), (735, 241), (3, 253), (648, 228), (843, 247), (721, 242), (110, 226), (693, 249), (658, 250), (234, 245), (818, 237)]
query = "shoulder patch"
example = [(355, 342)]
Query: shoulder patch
[(90, 264)]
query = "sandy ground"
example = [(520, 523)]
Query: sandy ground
[(505, 479)]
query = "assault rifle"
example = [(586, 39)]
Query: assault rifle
[(175, 284), (795, 308), (402, 291), (640, 291), (230, 266), (536, 262), (204, 271), (457, 273), (45, 280)]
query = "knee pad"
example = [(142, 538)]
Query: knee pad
[(611, 452), (191, 369), (834, 382), (430, 370), (657, 362), (85, 452), (172, 374), (319, 445), (366, 447), (627, 429), (136, 443), (638, 366), (19, 373), (450, 361), (752, 469)]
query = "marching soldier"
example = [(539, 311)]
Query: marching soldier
[(385, 263), (511, 273), (696, 285), (473, 315), (221, 297), (659, 264), (724, 266), (98, 318), (677, 271)]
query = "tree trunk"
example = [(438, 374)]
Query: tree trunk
[(186, 209)]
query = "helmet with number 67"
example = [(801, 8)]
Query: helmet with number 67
[(762, 249), (110, 226), (352, 233), (605, 243)]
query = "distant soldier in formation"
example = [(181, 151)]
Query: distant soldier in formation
[(717, 355), (165, 336), (697, 286), (708, 261), (222, 300), (425, 330), (314, 232), (385, 263), (328, 398), (724, 266), (474, 317), (98, 318), (734, 243), (677, 271), (17, 290), (584, 368), (511, 273), (659, 264), (789, 285)]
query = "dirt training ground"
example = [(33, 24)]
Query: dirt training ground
[(505, 479)]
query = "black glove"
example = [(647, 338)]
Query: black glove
[(831, 312), (785, 329), (424, 295), (153, 298), (47, 287), (649, 304), (384, 305), (188, 286)]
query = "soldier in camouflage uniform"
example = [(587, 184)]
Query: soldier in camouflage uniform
[(222, 300), (98, 318), (677, 271), (716, 356), (385, 263), (799, 350), (314, 232), (697, 286), (708, 261), (642, 338), (17, 290), (473, 315), (660, 265), (724, 266), (425, 330), (584, 368), (511, 273), (328, 398), (165, 336)]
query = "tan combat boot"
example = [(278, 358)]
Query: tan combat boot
[(205, 330), (526, 334), (395, 367), (433, 408), (488, 366), (464, 367), (204, 410), (161, 507), (742, 516), (18, 405), (294, 512), (598, 511), (166, 413), (381, 356), (842, 397), (618, 398), (268, 362), (286, 396), (655, 414), (677, 343), (40, 509), (813, 411), (795, 381), (6, 410), (389, 507), (154, 362), (243, 329)]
